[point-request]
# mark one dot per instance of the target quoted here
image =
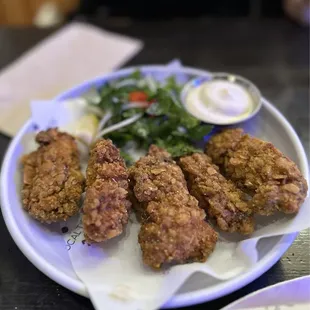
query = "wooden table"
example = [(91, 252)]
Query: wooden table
[(274, 54)]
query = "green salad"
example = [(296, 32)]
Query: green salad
[(139, 111)]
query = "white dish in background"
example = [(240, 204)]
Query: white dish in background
[(288, 295), (44, 245)]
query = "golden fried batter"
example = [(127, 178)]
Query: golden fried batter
[(218, 196), (53, 183), (221, 144), (260, 169), (173, 228), (106, 205)]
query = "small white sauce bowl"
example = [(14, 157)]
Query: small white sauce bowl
[(232, 78)]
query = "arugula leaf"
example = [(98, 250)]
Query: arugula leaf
[(155, 109), (141, 128), (165, 105), (106, 90), (131, 112), (197, 133), (188, 120), (120, 137), (171, 84), (109, 100), (177, 148), (136, 75), (164, 128)]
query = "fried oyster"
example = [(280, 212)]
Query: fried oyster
[(260, 169), (217, 196), (106, 206), (173, 228), (52, 180)]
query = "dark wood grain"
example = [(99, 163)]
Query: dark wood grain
[(272, 53)]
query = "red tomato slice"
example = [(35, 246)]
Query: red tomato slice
[(138, 96)]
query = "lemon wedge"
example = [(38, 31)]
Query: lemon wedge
[(85, 128), (74, 117)]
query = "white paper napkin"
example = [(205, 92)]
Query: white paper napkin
[(75, 53)]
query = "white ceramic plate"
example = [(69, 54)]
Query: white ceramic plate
[(44, 245), (292, 295)]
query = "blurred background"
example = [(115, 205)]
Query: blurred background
[(43, 13)]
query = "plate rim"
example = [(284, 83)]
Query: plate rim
[(232, 306), (184, 299)]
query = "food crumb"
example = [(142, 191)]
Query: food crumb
[(64, 229)]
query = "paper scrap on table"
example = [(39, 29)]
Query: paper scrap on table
[(75, 53), (116, 278)]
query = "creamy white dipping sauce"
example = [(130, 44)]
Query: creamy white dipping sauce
[(219, 102)]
